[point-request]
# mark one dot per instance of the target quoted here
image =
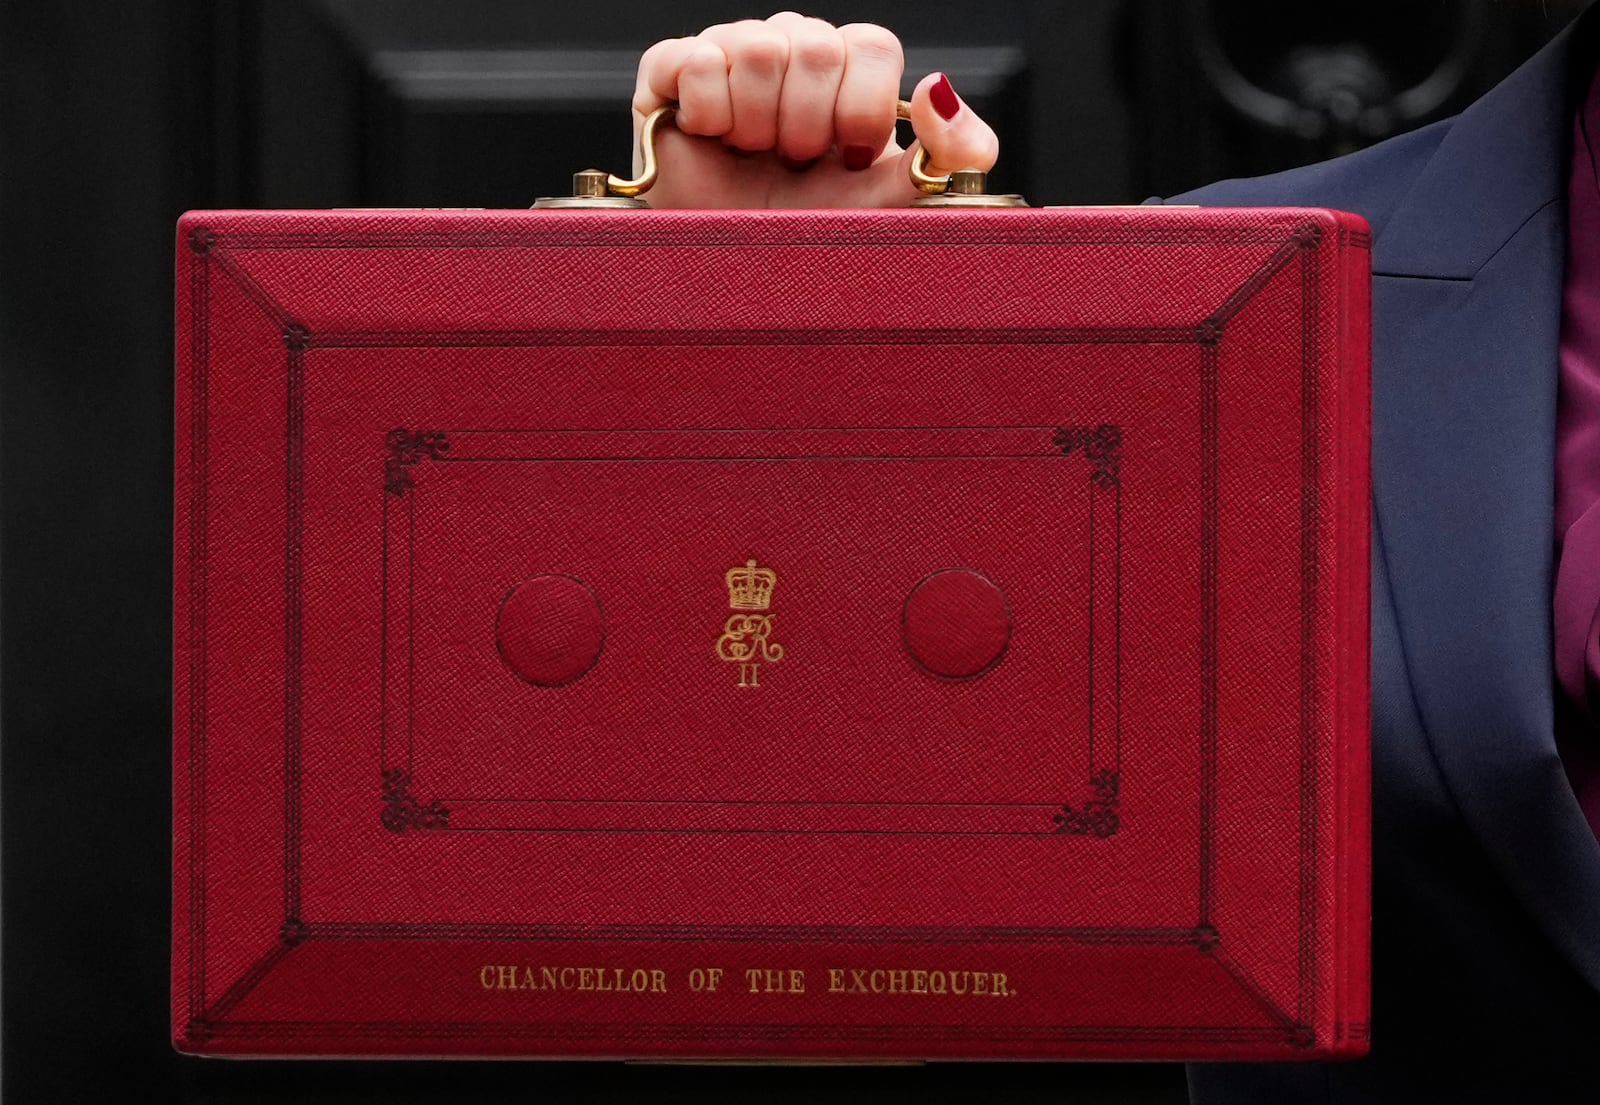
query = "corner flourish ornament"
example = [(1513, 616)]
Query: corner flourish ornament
[(1099, 816), (1101, 445), (401, 811), (405, 450)]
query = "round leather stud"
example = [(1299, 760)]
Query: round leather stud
[(550, 629), (956, 623)]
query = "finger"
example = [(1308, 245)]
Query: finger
[(655, 84), (864, 112), (757, 56), (705, 105), (810, 86), (657, 80), (956, 138)]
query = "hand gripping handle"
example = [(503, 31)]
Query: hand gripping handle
[(925, 183), (597, 188)]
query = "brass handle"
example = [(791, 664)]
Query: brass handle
[(597, 188), (615, 186), (646, 179), (924, 183)]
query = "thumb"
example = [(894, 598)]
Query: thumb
[(953, 134)]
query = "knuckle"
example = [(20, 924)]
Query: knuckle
[(815, 50), (766, 52), (727, 35), (652, 55), (872, 43), (704, 59)]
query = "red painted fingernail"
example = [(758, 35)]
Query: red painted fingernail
[(944, 98), (857, 158), (795, 164)]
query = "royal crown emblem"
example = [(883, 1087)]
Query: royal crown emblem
[(747, 638), (750, 587)]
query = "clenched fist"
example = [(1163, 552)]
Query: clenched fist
[(795, 112)]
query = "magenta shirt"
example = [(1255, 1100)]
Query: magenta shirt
[(1577, 474)]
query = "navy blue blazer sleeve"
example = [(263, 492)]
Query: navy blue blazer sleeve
[(1486, 877)]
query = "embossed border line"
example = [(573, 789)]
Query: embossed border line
[(1098, 453)]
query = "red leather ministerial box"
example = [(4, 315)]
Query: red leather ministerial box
[(899, 634)]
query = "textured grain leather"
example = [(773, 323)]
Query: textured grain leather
[(773, 634)]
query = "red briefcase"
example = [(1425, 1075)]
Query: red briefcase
[(860, 634)]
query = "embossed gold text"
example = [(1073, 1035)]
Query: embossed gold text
[(619, 980)]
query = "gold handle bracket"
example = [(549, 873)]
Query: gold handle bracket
[(961, 188), (596, 188)]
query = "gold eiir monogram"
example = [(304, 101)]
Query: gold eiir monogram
[(747, 638)]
